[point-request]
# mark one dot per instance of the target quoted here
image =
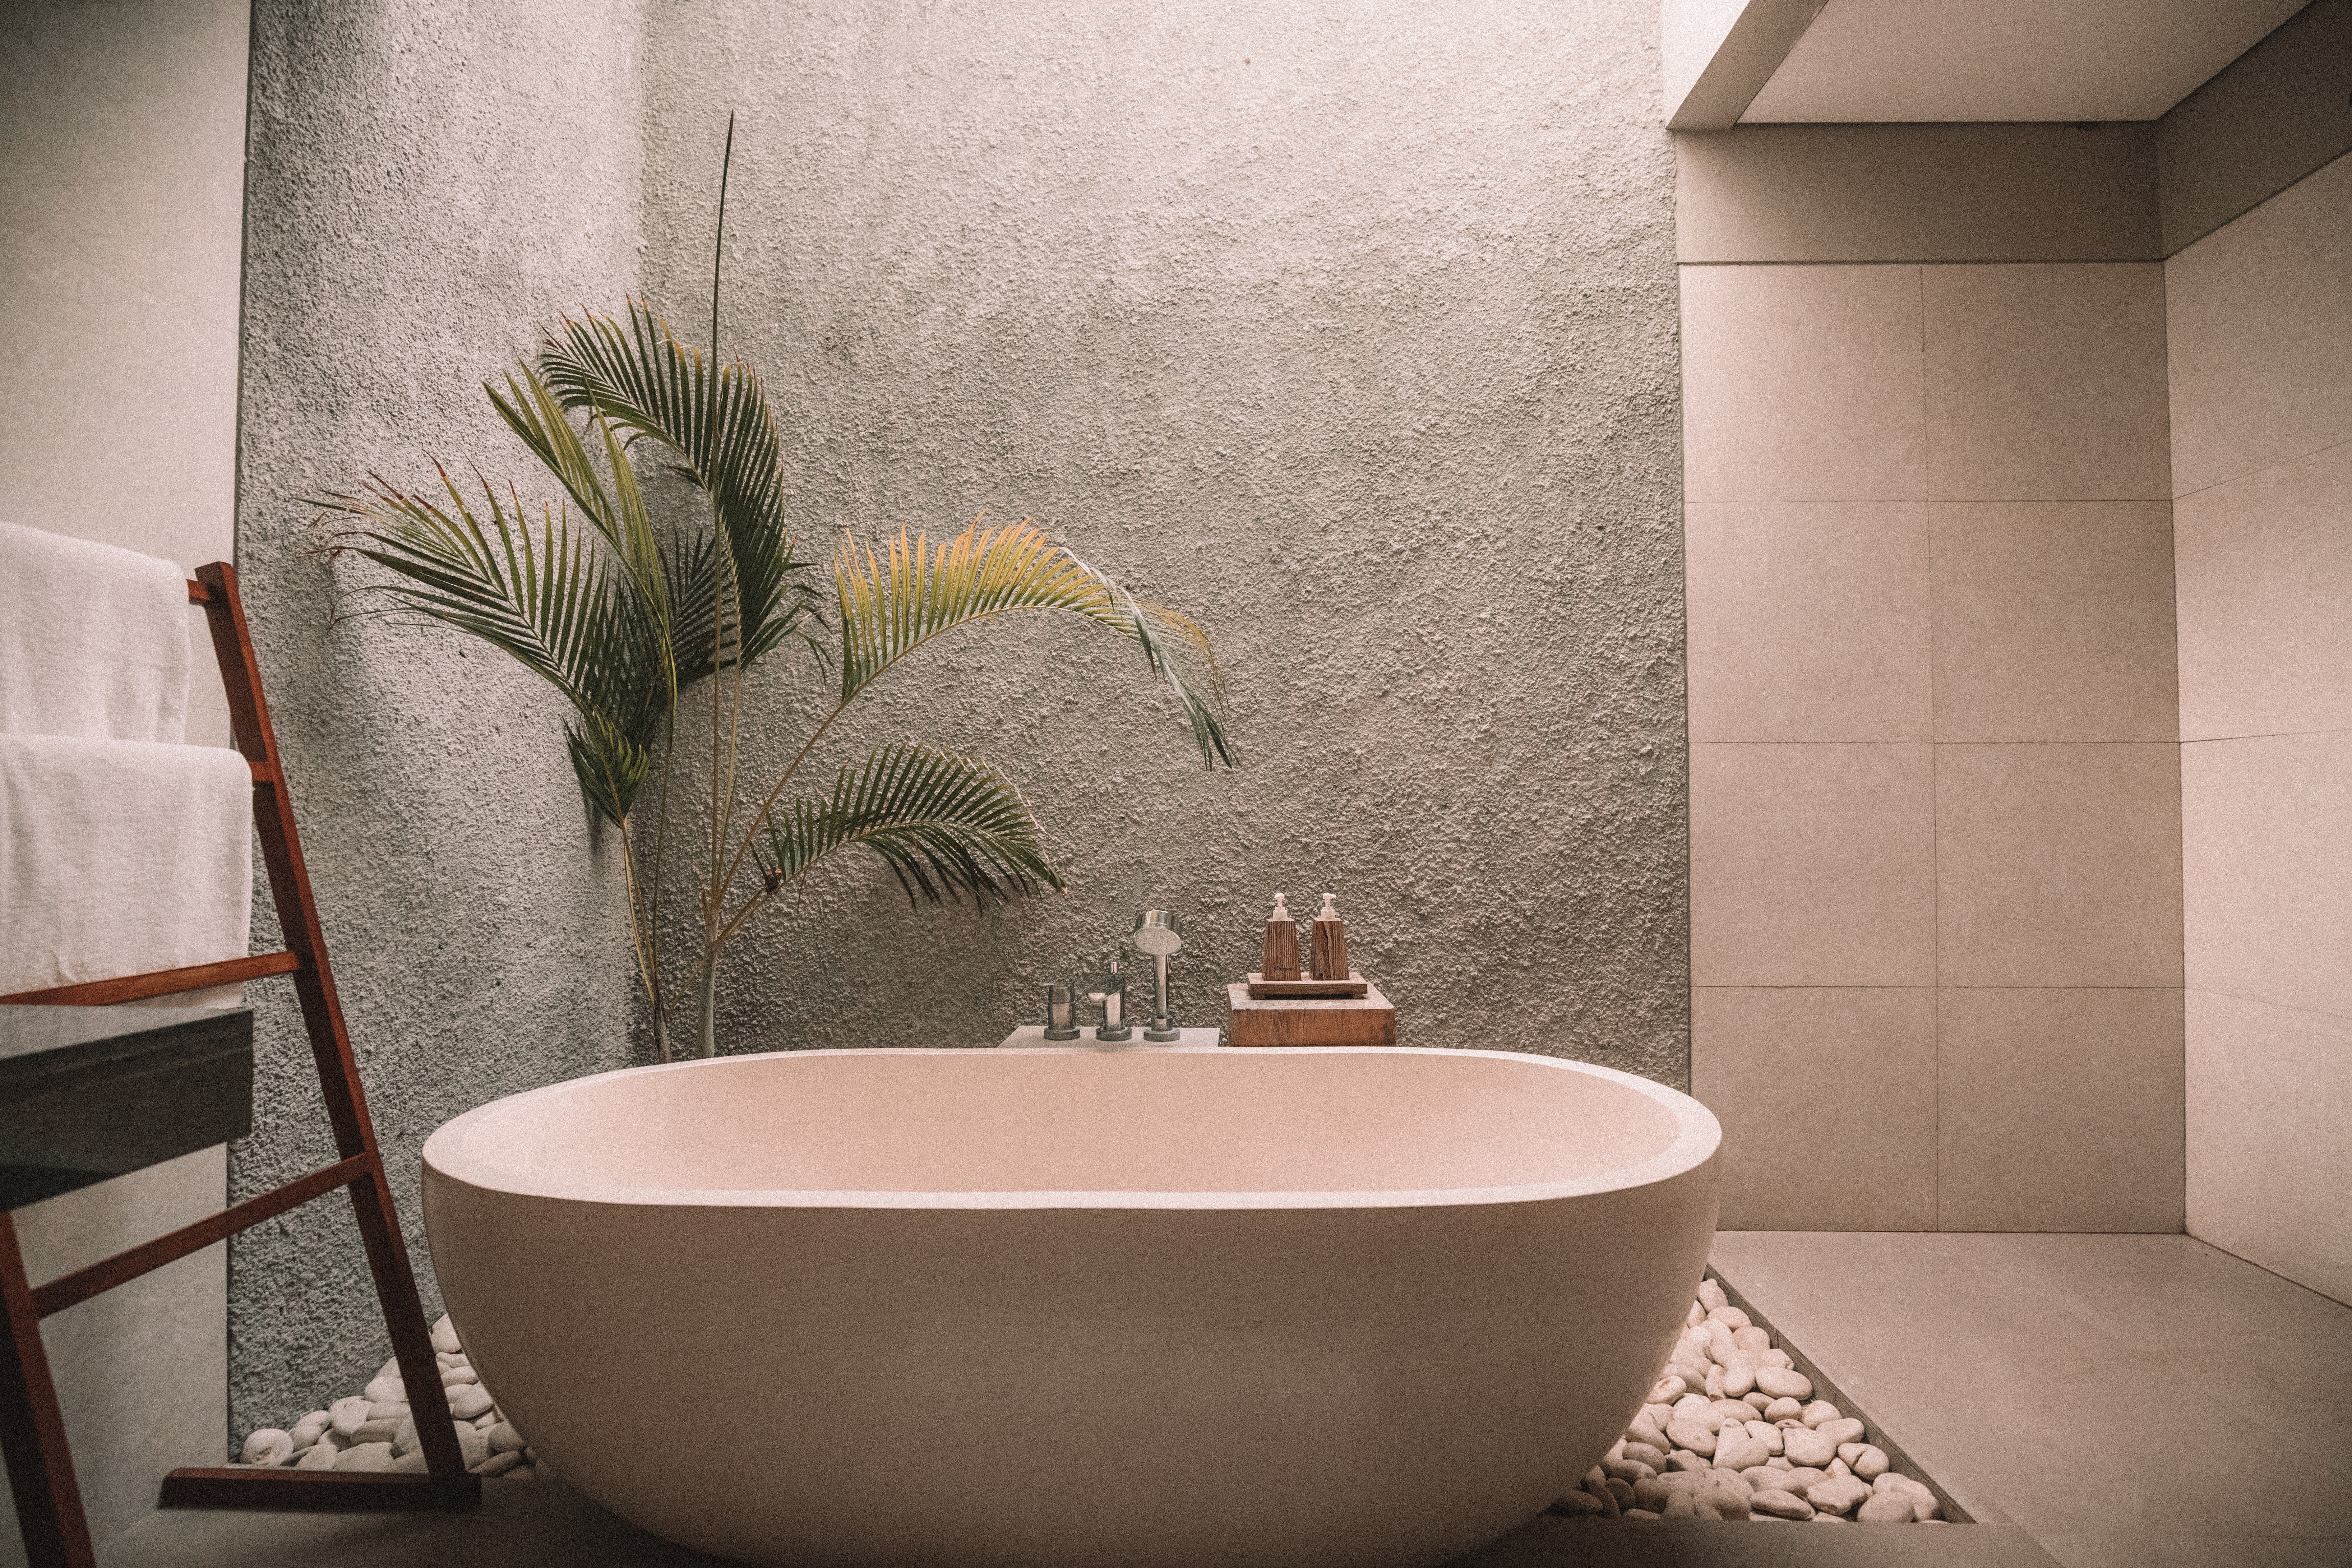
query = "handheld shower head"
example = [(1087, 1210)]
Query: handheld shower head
[(1158, 933)]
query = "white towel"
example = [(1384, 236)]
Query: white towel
[(121, 856), (93, 640)]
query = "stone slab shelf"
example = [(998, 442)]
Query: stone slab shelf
[(90, 1093)]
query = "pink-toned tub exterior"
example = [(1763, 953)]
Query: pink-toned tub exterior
[(965, 1309)]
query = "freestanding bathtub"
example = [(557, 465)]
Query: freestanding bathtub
[(968, 1309)]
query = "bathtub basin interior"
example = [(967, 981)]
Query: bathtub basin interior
[(959, 1125)]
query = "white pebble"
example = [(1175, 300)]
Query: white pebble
[(453, 1376), (318, 1457), (469, 1401), (311, 1428), (1836, 1494), (347, 1416), (1710, 1295), (387, 1391), (1841, 1431), (1781, 1505), (268, 1446), (1782, 1383), (498, 1465), (365, 1457), (1820, 1411), (1886, 1508), (1807, 1448), (444, 1336)]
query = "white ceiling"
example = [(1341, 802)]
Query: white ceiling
[(2009, 59)]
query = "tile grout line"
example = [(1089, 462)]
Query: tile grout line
[(1935, 792)]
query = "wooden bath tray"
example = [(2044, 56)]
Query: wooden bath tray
[(1262, 988)]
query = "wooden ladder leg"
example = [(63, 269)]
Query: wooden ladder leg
[(33, 1429)]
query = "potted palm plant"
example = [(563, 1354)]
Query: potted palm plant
[(626, 614)]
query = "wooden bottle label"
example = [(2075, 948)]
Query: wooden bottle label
[(1330, 941), (1281, 962)]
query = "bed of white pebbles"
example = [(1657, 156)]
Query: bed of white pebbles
[(1730, 1431), (375, 1429), (1733, 1431)]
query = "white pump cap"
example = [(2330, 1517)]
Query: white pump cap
[(1327, 913), (1281, 910)]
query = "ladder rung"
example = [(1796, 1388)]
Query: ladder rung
[(83, 1283), (158, 982)]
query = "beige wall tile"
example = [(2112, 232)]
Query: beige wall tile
[(1812, 864), (2046, 382), (2058, 865), (2267, 868), (2059, 1110), (1808, 620), (2259, 316), (1802, 383), (1828, 1104), (2270, 1137), (2053, 621), (2265, 569)]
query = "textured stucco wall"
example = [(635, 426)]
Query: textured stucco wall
[(1351, 328), (428, 181)]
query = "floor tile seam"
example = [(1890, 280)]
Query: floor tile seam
[(2265, 469), (2186, 740), (2226, 995), (1897, 740)]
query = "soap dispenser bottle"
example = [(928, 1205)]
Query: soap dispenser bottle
[(1330, 941), (1281, 959)]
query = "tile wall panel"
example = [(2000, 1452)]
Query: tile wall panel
[(2269, 1170), (2267, 868), (2058, 865), (2259, 316), (2046, 383), (2061, 1108), (2265, 568), (1808, 620), (1828, 1104), (1812, 864), (2053, 621), (1802, 383)]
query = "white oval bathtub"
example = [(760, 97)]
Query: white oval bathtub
[(967, 1309)]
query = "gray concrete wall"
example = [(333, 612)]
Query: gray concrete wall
[(1350, 329), (429, 182)]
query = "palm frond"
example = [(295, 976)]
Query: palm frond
[(892, 603), (717, 425), (546, 598), (946, 825)]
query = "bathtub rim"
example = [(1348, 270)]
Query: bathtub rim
[(1698, 1136)]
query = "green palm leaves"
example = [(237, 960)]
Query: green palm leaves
[(946, 826), (545, 596), (893, 602), (621, 612)]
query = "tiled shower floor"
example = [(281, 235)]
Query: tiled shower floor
[(2102, 1401)]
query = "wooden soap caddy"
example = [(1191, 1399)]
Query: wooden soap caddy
[(1260, 987)]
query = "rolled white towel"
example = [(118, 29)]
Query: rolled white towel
[(93, 640), (120, 856)]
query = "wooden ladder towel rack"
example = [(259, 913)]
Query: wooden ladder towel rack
[(32, 1430)]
